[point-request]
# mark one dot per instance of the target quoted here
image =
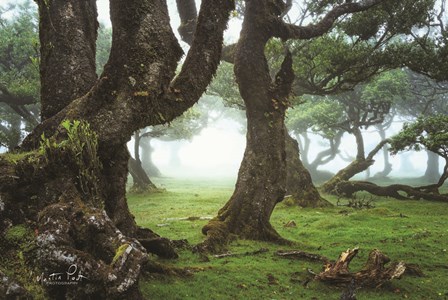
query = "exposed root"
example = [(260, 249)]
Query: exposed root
[(106, 268), (155, 244), (397, 191)]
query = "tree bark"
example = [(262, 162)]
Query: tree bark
[(67, 33), (76, 200), (359, 165), (261, 179), (299, 185)]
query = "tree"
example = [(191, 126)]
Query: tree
[(82, 189), (259, 189), (317, 115), (429, 132), (19, 74), (428, 98), (299, 186), (366, 106)]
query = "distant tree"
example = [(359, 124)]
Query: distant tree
[(19, 73), (366, 106), (316, 115), (428, 132), (428, 98), (184, 127)]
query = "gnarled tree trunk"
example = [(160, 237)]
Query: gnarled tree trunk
[(72, 191), (299, 185), (360, 164), (262, 176)]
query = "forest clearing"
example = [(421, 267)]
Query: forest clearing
[(410, 231), (223, 149)]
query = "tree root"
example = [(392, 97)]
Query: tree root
[(106, 268), (348, 188)]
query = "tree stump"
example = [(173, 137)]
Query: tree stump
[(375, 273)]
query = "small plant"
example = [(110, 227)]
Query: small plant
[(364, 202), (81, 149)]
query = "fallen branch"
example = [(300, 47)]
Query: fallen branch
[(189, 218), (297, 254), (229, 254)]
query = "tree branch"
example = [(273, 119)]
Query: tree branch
[(289, 31)]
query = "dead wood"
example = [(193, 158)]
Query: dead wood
[(375, 273), (297, 254), (229, 254)]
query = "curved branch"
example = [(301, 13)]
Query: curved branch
[(289, 31), (188, 14), (376, 149), (204, 54)]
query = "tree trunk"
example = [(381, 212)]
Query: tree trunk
[(141, 181), (300, 189), (261, 179), (72, 191), (357, 166), (387, 165), (432, 167), (146, 158), (71, 73)]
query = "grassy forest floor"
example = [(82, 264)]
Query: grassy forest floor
[(411, 231)]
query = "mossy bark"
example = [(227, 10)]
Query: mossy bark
[(360, 164), (261, 179), (299, 185), (138, 88)]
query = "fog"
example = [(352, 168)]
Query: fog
[(218, 150)]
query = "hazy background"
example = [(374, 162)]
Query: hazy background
[(218, 149)]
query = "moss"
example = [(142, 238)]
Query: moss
[(16, 157), (119, 253), (16, 233)]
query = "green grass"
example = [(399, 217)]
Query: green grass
[(412, 231)]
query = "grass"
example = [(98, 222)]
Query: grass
[(412, 231)]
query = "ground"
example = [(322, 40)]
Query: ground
[(413, 231)]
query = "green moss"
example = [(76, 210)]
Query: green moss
[(119, 253), (16, 234), (16, 157)]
